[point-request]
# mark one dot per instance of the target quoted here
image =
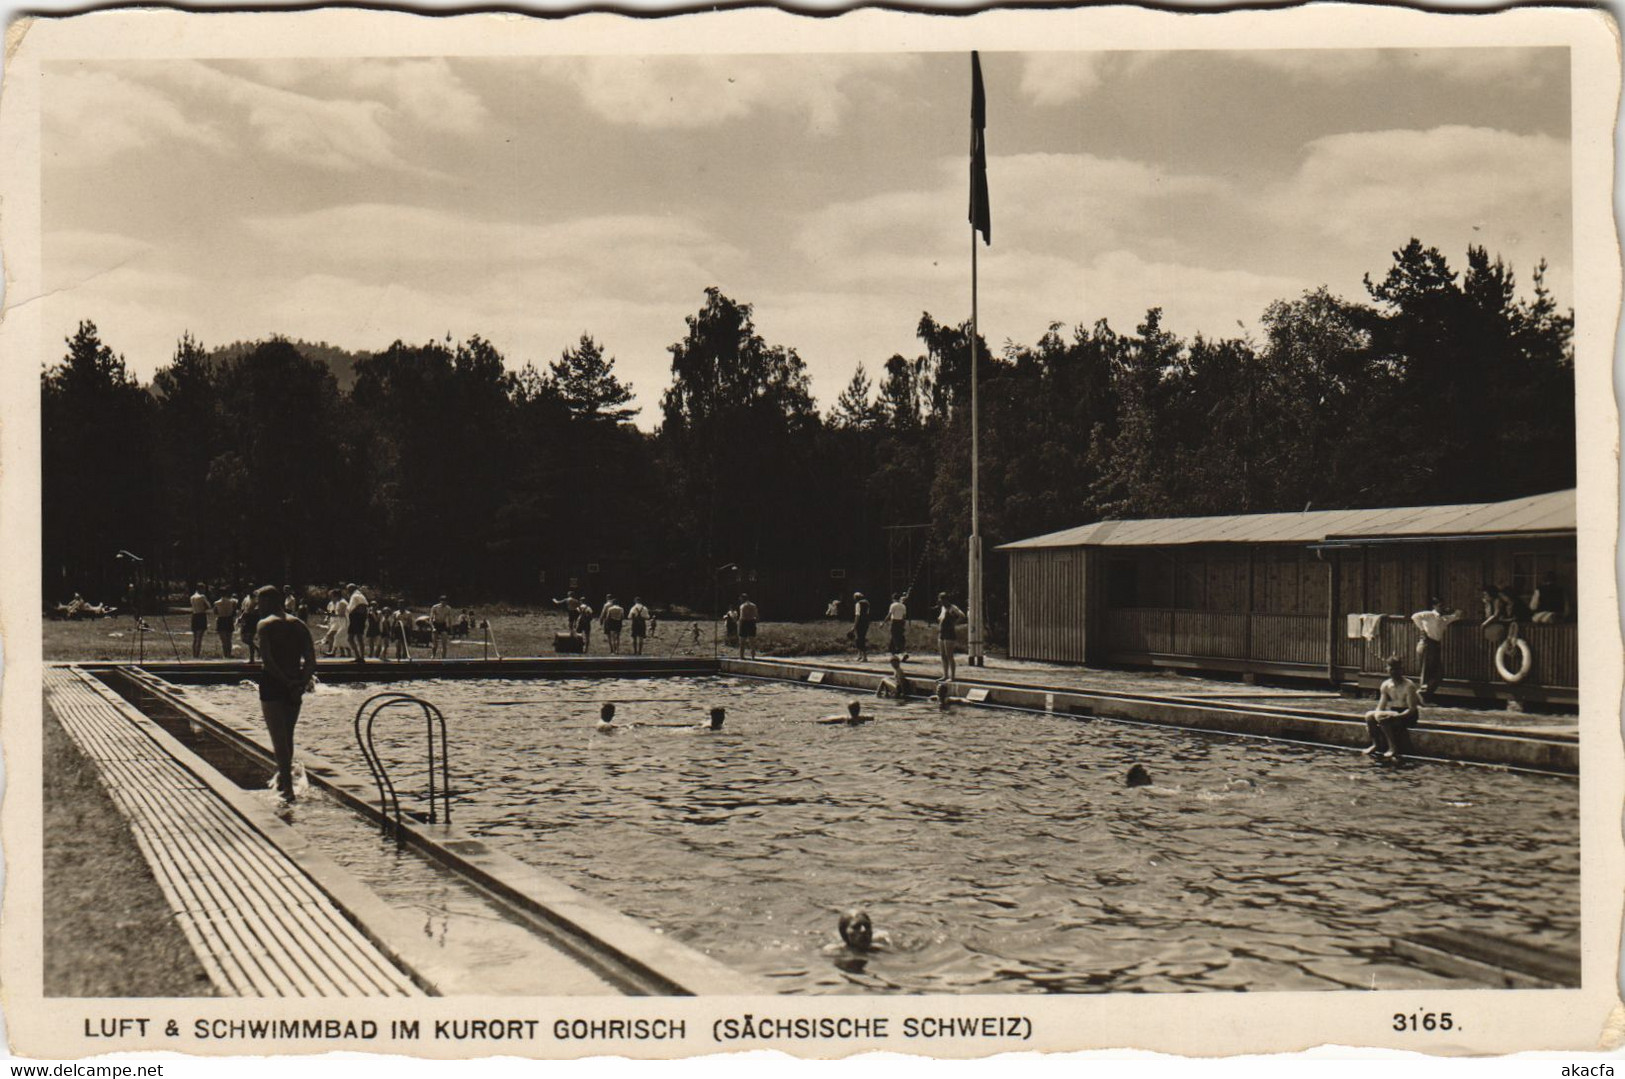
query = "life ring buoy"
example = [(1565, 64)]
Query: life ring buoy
[(1526, 661)]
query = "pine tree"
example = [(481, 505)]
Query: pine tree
[(586, 382)]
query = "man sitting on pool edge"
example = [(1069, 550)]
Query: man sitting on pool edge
[(1398, 710)]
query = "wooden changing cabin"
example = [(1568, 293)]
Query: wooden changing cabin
[(1325, 594)]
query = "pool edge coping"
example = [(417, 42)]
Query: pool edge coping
[(537, 895), (1547, 755)]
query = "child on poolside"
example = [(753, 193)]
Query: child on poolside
[(896, 687), (1398, 710)]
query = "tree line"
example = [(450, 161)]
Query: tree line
[(440, 467)]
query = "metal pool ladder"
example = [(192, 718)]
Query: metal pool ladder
[(389, 803)]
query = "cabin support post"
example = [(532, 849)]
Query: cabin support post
[(1333, 579)]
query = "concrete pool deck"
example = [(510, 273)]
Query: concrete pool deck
[(579, 946), (1472, 736), (264, 916)]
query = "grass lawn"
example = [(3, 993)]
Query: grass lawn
[(517, 631), (108, 930)]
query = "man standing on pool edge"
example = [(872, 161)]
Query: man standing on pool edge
[(747, 626), (287, 663)]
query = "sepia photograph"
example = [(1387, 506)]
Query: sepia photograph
[(935, 532)]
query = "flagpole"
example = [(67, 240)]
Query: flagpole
[(973, 644), (980, 221)]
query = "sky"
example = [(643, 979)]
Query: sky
[(532, 200)]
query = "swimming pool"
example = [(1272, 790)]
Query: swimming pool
[(1000, 850)]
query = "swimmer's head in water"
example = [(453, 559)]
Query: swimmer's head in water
[(606, 714), (854, 709), (857, 930), (1138, 776), (717, 716)]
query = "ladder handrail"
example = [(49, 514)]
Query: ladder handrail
[(389, 803)]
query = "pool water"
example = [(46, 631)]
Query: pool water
[(1000, 851)]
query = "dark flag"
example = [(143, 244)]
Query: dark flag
[(981, 220)]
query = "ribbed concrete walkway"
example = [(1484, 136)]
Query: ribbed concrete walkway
[(258, 923)]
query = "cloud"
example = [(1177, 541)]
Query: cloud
[(628, 254), (1054, 78), (93, 115), (343, 117), (1042, 203), (1421, 182), (425, 92), (74, 257), (696, 92), (1471, 64), (343, 134)]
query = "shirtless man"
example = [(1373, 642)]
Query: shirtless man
[(1398, 710), (288, 662), (584, 625), (225, 618), (200, 620), (440, 626), (747, 626), (612, 616), (568, 605)]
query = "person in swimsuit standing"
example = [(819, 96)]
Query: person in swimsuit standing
[(225, 618), (200, 620), (639, 614), (612, 616), (948, 619), (584, 625), (747, 626), (440, 627)]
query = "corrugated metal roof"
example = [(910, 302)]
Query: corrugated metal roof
[(1552, 512)]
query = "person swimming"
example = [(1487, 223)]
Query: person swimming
[(858, 934), (718, 714), (606, 717), (852, 717), (1138, 776)]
